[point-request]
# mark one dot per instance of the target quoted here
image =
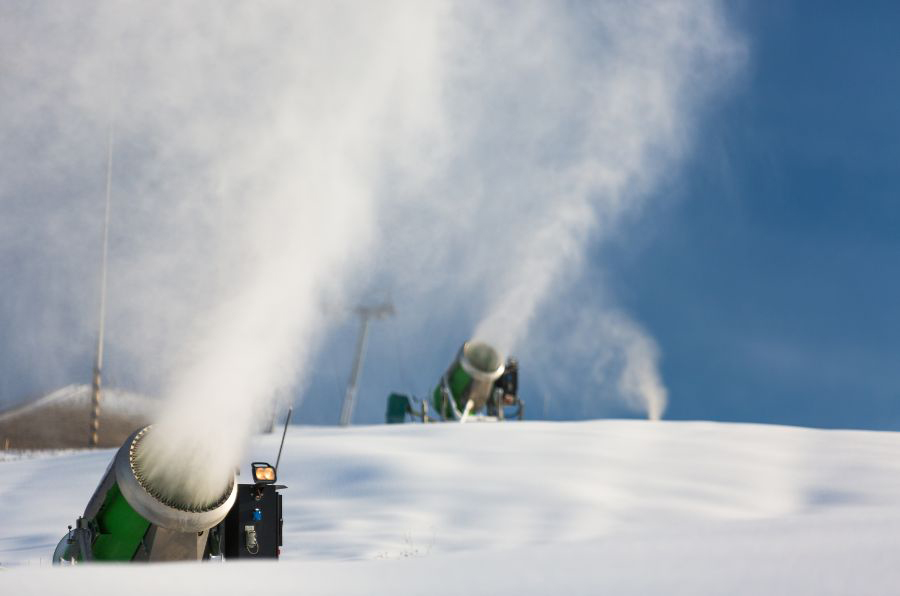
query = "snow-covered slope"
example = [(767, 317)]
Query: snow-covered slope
[(61, 419), (522, 508), (116, 400)]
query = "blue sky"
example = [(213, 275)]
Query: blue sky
[(768, 274), (772, 286)]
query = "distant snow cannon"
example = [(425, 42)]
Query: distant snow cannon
[(476, 386), (129, 518), (467, 384)]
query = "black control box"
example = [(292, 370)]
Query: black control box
[(252, 529)]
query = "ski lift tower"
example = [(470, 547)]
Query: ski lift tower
[(366, 313)]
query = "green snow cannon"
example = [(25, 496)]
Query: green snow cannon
[(466, 386), (127, 520)]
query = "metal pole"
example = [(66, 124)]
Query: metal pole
[(365, 314), (350, 396), (96, 393)]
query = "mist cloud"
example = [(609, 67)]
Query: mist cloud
[(271, 158)]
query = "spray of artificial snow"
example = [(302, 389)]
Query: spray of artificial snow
[(580, 112), (271, 157)]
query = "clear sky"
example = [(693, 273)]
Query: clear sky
[(770, 274), (773, 285)]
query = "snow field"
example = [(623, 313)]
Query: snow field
[(535, 508)]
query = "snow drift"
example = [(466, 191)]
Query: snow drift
[(625, 507)]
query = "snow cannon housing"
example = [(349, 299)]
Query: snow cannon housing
[(129, 519), (477, 385)]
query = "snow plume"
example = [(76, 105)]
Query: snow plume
[(623, 359), (301, 173), (249, 141), (564, 122), (268, 156)]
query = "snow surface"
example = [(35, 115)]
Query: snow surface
[(612, 506)]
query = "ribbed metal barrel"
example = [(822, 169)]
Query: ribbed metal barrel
[(470, 376), (148, 501)]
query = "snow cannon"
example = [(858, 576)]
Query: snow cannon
[(466, 385), (129, 519), (476, 386)]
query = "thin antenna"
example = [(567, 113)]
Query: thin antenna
[(283, 435), (96, 392)]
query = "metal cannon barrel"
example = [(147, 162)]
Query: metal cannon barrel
[(468, 381), (127, 519)]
